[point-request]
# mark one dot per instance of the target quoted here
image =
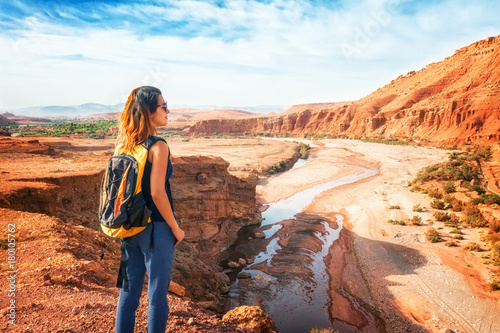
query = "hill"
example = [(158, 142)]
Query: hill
[(448, 102)]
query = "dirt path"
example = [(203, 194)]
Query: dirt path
[(414, 285)]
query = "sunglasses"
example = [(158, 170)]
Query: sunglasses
[(163, 106)]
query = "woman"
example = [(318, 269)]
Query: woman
[(151, 250)]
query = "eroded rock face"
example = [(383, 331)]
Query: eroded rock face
[(211, 205), (449, 102), (207, 198), (251, 318)]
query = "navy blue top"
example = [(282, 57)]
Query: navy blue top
[(146, 189)]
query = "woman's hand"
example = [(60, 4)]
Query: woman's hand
[(179, 235)]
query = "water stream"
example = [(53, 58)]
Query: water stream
[(296, 302)]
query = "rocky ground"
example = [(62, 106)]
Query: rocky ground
[(53, 274), (383, 277)]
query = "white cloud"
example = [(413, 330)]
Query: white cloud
[(247, 53)]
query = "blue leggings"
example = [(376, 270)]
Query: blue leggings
[(157, 261)]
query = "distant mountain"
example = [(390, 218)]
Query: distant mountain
[(72, 111), (91, 109), (452, 101)]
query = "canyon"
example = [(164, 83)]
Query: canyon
[(50, 191), (381, 276)]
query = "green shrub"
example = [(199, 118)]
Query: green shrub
[(278, 167), (483, 153), (467, 173), (442, 217), (185, 140), (495, 285), (432, 235), (304, 150), (474, 217), (487, 199), (449, 187), (479, 190), (434, 194), (438, 204), (396, 222)]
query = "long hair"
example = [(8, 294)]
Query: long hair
[(135, 121)]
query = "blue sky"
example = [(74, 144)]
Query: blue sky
[(239, 53)]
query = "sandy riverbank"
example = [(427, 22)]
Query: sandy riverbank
[(414, 286)]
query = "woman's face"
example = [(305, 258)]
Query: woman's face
[(160, 117)]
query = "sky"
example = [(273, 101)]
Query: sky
[(220, 53)]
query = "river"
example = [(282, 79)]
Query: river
[(295, 295)]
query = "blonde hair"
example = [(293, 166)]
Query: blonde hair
[(135, 124)]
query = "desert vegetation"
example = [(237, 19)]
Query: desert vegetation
[(95, 129), (460, 200)]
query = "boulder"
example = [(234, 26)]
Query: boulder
[(251, 318)]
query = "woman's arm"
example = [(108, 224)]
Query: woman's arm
[(158, 156)]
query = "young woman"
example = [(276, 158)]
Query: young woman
[(151, 250)]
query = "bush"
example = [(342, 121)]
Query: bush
[(278, 167), (442, 217), (185, 140), (456, 231), (449, 187), (451, 243), (416, 220), (492, 238), (396, 222), (432, 235), (474, 217), (417, 208), (458, 237), (479, 190), (487, 199), (438, 204), (455, 204), (467, 173), (495, 251), (472, 246), (415, 189), (304, 150), (434, 194), (494, 225), (395, 207), (495, 285)]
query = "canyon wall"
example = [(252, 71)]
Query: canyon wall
[(449, 102), (210, 203)]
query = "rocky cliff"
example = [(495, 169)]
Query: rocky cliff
[(452, 101), (210, 203)]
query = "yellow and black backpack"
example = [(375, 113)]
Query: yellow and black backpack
[(123, 211)]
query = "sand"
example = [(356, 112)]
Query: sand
[(414, 285)]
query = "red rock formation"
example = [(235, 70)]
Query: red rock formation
[(210, 203), (452, 101)]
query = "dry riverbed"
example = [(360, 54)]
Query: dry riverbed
[(414, 285)]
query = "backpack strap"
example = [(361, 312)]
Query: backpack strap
[(151, 141)]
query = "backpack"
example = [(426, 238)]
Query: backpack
[(123, 211)]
